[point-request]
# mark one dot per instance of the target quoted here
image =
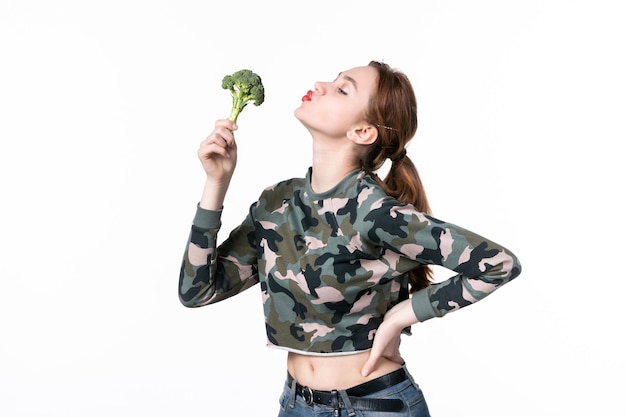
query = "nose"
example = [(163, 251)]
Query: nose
[(319, 88)]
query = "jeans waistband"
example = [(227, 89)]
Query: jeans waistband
[(352, 397)]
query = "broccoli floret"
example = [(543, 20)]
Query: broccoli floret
[(245, 86)]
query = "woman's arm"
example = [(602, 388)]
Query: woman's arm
[(209, 273), (482, 266), (206, 277)]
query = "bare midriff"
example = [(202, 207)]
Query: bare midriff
[(335, 372)]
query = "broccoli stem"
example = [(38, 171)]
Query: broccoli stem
[(238, 104), (234, 113)]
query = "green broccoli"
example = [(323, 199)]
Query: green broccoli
[(245, 86)]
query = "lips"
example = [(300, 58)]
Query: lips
[(308, 96)]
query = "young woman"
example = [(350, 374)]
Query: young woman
[(341, 256)]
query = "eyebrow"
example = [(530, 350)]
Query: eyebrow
[(349, 79)]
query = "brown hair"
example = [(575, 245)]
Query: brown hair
[(393, 110)]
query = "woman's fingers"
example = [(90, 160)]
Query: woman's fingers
[(219, 141)]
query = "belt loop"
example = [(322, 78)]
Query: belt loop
[(335, 404), (292, 394), (408, 375), (346, 403)]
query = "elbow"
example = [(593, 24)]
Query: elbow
[(503, 268), (514, 267), (518, 269), (192, 298), (191, 293), (187, 303)]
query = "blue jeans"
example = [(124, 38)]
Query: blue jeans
[(292, 405)]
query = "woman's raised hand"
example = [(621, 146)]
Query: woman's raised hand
[(218, 152), (218, 155)]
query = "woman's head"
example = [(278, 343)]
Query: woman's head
[(335, 109)]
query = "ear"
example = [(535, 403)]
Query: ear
[(363, 135)]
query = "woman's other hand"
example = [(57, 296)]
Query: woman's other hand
[(387, 339)]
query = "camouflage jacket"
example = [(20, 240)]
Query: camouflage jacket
[(331, 264)]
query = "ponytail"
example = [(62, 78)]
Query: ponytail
[(393, 110)]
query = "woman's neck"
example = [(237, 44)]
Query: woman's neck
[(331, 164)]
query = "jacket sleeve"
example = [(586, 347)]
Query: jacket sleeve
[(209, 273), (481, 265)]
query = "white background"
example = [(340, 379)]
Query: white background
[(103, 104)]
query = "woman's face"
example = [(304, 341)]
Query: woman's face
[(333, 108)]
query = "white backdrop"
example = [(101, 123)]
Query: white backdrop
[(103, 104)]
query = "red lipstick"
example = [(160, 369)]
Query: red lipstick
[(308, 96)]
